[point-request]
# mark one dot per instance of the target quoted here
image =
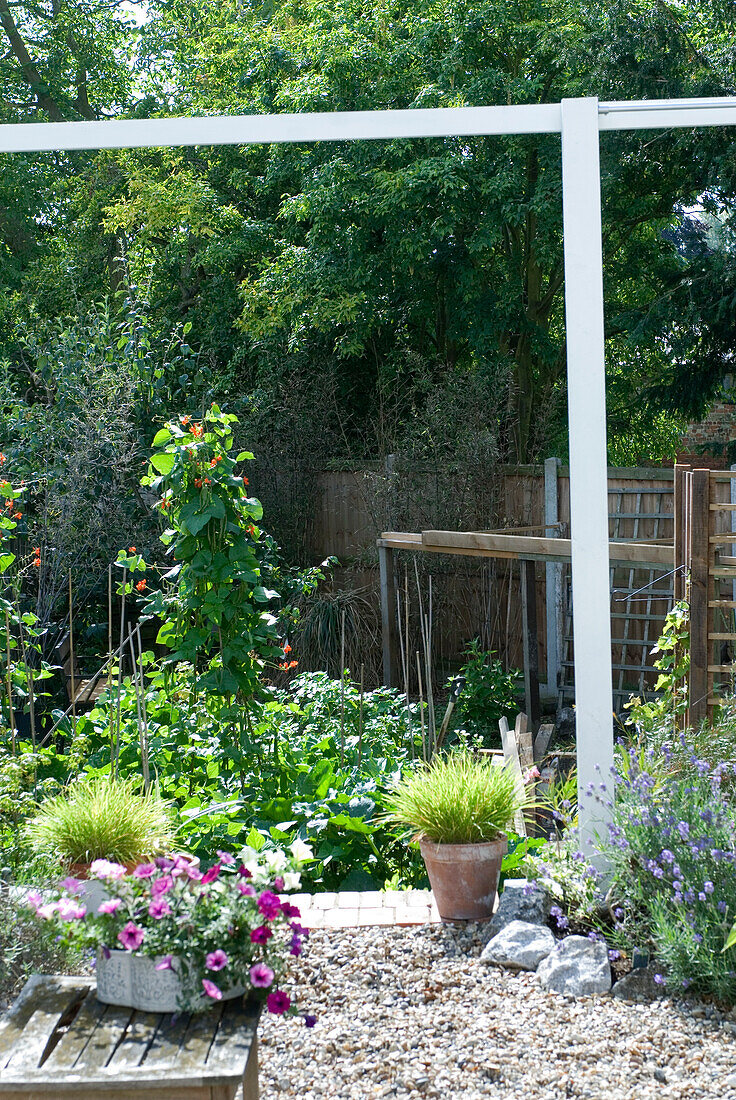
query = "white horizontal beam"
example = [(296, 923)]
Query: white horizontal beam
[(536, 118), (665, 114)]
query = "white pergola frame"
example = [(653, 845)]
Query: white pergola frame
[(579, 122)]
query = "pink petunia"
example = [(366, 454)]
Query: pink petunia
[(34, 899), (145, 870), (290, 910), (261, 976), (225, 858), (211, 875), (72, 885), (161, 886), (269, 905), (212, 990), (131, 936), (166, 962), (216, 959), (243, 871), (261, 934), (246, 890), (105, 868), (159, 908), (278, 1002), (69, 909), (110, 905), (278, 883)]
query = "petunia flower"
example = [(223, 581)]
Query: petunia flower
[(131, 936), (211, 875), (145, 870), (269, 905), (211, 989), (159, 908), (69, 909), (278, 1002), (309, 1020), (216, 960), (165, 963), (261, 976), (261, 935), (110, 905), (105, 868), (225, 858)]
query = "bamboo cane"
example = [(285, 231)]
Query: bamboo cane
[(9, 683), (342, 689), (71, 653), (421, 708), (116, 754)]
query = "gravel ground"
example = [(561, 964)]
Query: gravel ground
[(410, 1013)]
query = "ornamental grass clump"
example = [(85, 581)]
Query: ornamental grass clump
[(103, 818), (457, 799), (672, 848)]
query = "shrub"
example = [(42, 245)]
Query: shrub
[(103, 818), (489, 693)]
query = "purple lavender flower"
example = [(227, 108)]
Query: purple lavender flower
[(659, 979)]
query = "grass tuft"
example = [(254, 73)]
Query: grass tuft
[(102, 818), (457, 799)]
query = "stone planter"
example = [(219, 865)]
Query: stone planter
[(464, 877), (132, 981)]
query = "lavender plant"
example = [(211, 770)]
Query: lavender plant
[(672, 848)]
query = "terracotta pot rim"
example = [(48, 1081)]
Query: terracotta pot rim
[(499, 840)]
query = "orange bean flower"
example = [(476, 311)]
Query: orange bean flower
[(141, 586)]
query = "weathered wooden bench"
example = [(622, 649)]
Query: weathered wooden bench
[(58, 1040)]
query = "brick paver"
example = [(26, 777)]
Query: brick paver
[(367, 908)]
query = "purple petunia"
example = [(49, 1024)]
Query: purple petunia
[(309, 1020), (211, 989), (165, 963), (110, 905), (159, 908), (145, 870), (162, 886), (211, 875)]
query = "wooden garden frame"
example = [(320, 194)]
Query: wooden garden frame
[(579, 122)]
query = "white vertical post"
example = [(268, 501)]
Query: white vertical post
[(586, 396), (553, 580)]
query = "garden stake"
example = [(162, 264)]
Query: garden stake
[(139, 708), (342, 689), (29, 676), (360, 716), (71, 653), (10, 684), (431, 725), (114, 770), (109, 651), (421, 708), (404, 665)]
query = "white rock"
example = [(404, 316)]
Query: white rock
[(520, 945), (577, 967)]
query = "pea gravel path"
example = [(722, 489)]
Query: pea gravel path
[(410, 1013)]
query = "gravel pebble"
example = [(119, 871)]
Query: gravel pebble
[(410, 1012)]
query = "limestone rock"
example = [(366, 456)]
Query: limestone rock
[(577, 967), (519, 946), (638, 986), (519, 900)]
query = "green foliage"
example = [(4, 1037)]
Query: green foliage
[(102, 818), (673, 664), (489, 693), (315, 762), (214, 612), (456, 799), (27, 948)]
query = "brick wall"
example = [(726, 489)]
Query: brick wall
[(715, 431)]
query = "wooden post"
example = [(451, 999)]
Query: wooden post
[(531, 648), (680, 512), (699, 528), (388, 616), (511, 756), (553, 580)]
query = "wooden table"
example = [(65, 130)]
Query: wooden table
[(58, 1040)]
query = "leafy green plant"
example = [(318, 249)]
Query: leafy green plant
[(456, 799), (489, 693), (673, 663), (103, 818)]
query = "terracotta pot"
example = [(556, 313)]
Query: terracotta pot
[(464, 877)]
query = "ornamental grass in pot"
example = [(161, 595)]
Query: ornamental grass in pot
[(459, 809)]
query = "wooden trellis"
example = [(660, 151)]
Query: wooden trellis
[(640, 596), (705, 562)]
